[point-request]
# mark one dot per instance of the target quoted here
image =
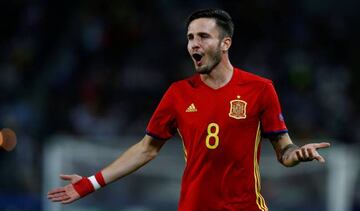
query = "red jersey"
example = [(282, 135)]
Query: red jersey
[(221, 132)]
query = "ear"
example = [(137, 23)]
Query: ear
[(225, 43)]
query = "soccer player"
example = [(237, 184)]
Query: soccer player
[(220, 113)]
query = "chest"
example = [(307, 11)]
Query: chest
[(232, 107), (220, 123)]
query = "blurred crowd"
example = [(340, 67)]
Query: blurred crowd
[(99, 68)]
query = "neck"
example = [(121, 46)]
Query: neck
[(220, 75)]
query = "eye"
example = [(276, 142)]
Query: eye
[(190, 37), (204, 35)]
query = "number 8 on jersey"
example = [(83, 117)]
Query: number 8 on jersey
[(212, 139)]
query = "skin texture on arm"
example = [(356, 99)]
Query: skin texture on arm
[(131, 160), (290, 155)]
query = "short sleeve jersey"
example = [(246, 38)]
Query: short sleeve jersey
[(221, 131)]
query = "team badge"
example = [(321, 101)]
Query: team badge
[(237, 108)]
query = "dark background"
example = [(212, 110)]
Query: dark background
[(99, 68)]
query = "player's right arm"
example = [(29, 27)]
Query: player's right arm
[(131, 160)]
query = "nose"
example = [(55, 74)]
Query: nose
[(194, 43)]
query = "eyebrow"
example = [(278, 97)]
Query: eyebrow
[(199, 34), (203, 33)]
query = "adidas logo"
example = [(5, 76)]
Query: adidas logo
[(191, 108)]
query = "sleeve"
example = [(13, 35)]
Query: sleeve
[(162, 125), (272, 120)]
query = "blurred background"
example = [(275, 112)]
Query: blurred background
[(80, 79)]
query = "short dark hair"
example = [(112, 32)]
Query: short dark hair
[(222, 18)]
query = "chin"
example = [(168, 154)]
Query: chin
[(203, 70)]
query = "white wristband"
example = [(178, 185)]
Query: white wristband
[(94, 182)]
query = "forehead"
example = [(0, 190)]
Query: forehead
[(207, 25)]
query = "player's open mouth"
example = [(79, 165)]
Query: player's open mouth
[(197, 58)]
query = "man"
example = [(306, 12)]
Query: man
[(220, 114)]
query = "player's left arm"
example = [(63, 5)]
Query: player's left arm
[(290, 154)]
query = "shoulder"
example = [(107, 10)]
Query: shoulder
[(190, 82), (247, 77), (182, 87), (255, 82)]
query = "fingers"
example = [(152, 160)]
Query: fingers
[(315, 155), (304, 152), (70, 177), (309, 153), (301, 156), (56, 190), (66, 176), (59, 197), (320, 159), (321, 145), (65, 195)]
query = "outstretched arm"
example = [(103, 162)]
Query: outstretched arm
[(131, 160), (290, 155)]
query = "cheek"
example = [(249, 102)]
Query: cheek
[(188, 47), (214, 50)]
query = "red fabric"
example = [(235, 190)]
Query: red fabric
[(100, 179), (221, 178), (83, 187)]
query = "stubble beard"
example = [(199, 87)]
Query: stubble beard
[(214, 60)]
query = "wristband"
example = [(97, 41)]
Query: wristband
[(90, 184)]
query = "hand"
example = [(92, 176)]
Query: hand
[(309, 152), (66, 194)]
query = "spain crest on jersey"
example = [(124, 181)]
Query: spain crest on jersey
[(237, 109)]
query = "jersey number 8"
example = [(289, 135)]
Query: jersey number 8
[(212, 135)]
